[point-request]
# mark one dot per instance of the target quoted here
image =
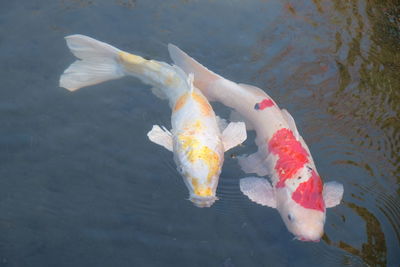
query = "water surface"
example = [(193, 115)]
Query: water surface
[(80, 184)]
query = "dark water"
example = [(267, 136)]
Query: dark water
[(80, 184)]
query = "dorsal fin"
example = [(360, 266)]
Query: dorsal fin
[(290, 121), (190, 79), (292, 125)]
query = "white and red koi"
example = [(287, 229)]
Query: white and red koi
[(195, 138), (297, 191)]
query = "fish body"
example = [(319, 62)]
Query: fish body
[(195, 138), (296, 189)]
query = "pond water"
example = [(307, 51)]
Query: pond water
[(81, 185)]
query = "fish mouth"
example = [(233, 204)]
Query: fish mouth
[(303, 239), (203, 202)]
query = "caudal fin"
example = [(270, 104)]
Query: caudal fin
[(202, 76), (98, 63)]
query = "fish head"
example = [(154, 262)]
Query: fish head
[(200, 167), (304, 224), (203, 202), (202, 187), (302, 206)]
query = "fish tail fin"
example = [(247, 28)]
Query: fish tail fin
[(203, 77), (98, 62)]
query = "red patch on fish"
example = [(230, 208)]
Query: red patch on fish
[(309, 193), (292, 155), (266, 103)]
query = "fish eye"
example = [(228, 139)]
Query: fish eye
[(309, 168), (290, 217), (180, 169), (298, 178)]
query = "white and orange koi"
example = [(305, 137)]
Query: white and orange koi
[(195, 139), (297, 191)]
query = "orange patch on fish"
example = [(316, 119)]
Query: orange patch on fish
[(137, 64), (211, 159), (194, 128), (197, 125), (200, 190), (205, 107), (131, 58), (181, 102), (195, 151), (171, 80)]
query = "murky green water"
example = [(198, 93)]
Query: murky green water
[(80, 184)]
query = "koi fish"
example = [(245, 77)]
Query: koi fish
[(297, 191), (195, 139)]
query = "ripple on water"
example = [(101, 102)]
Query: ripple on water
[(389, 205), (370, 248), (230, 197), (165, 160)]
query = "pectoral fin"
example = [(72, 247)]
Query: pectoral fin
[(332, 193), (235, 116), (233, 135), (254, 163), (259, 190), (161, 137), (222, 123)]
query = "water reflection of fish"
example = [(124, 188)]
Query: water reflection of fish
[(195, 138), (297, 191)]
